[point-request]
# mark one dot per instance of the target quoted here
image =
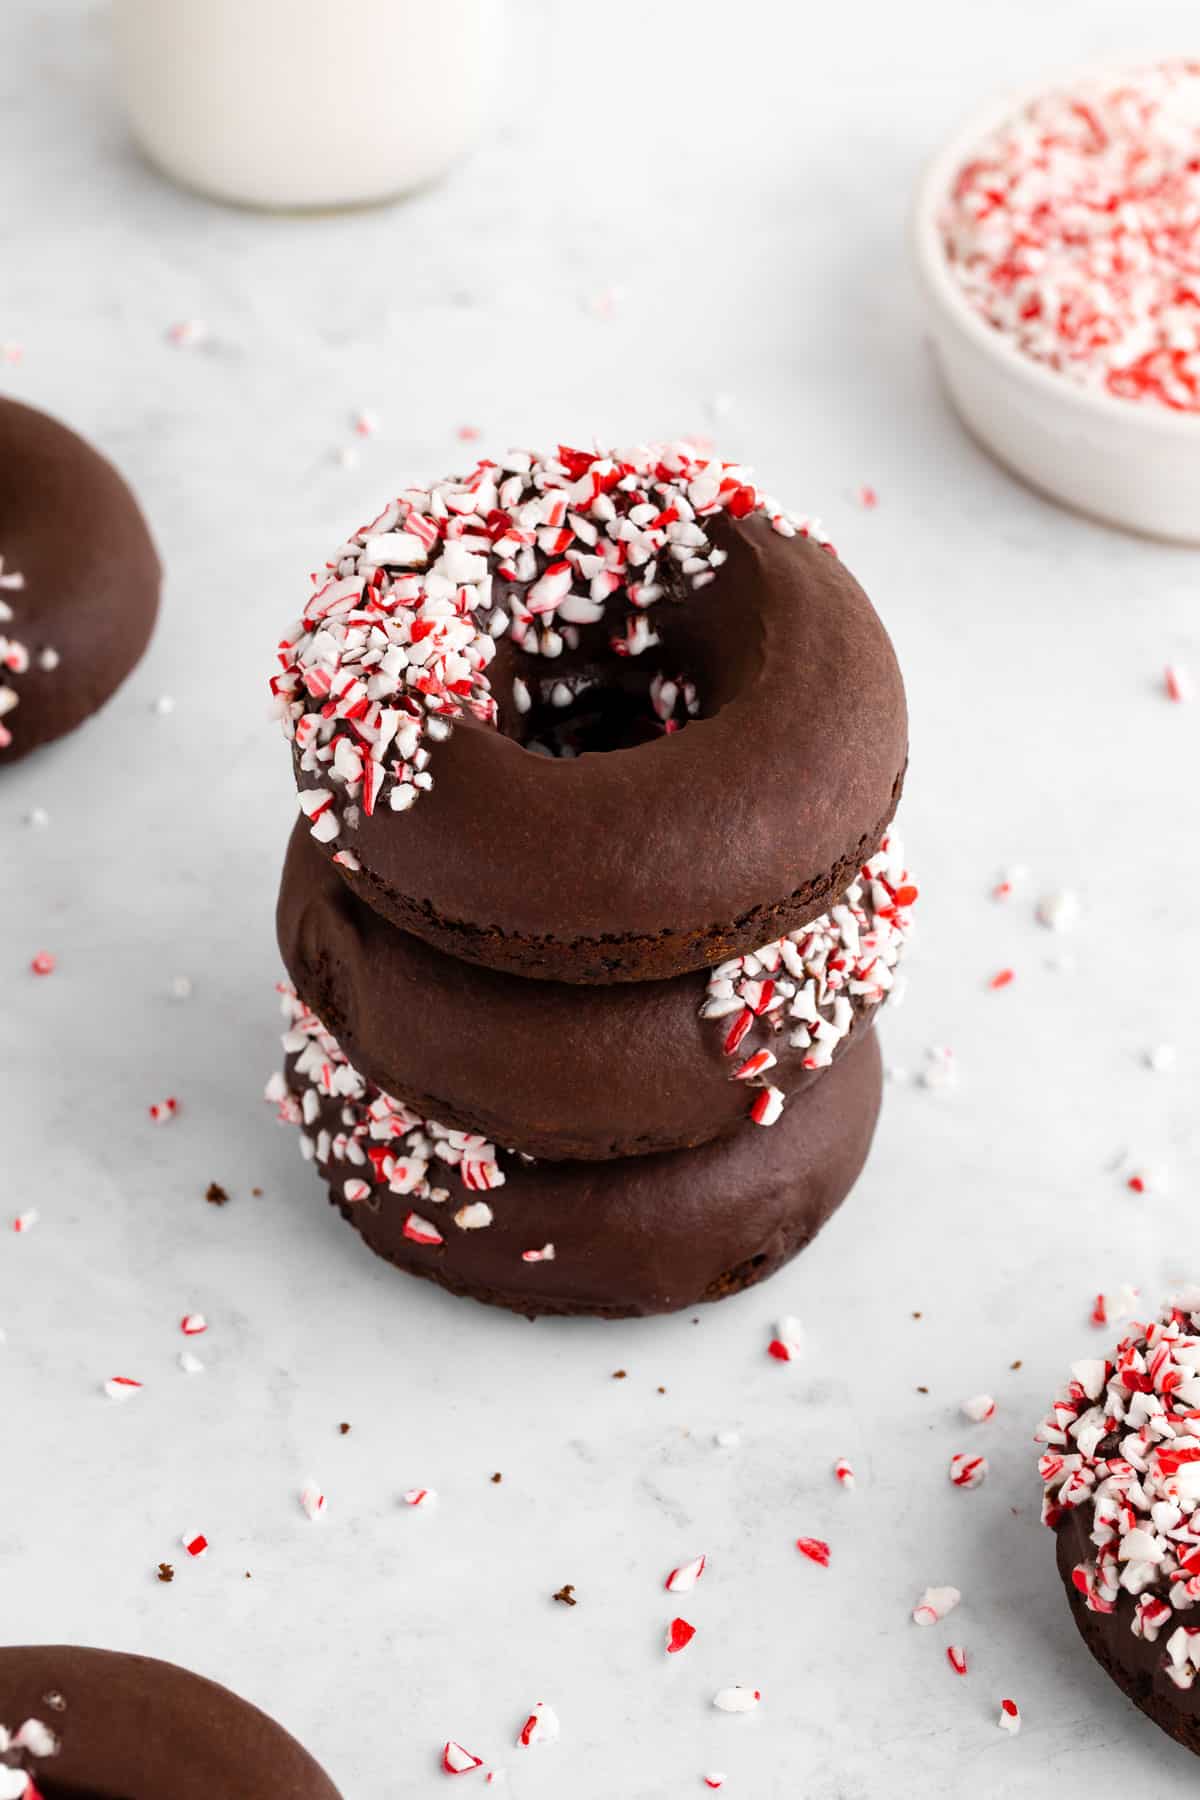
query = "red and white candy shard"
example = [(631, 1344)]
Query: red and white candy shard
[(844, 1473), (545, 1254), (1123, 1440), (420, 1497), (25, 1221), (714, 1779), (383, 1145), (934, 1604), (1010, 1717), (980, 1408), (195, 1543), (396, 639), (1059, 911), (193, 1324), (457, 1761), (121, 1387), (1108, 1308), (802, 989), (679, 1636), (684, 1579), (815, 1549), (956, 1656), (162, 1110), (736, 1699), (312, 1500), (541, 1727), (788, 1344), (968, 1471), (1109, 303), (1178, 683), (43, 963)]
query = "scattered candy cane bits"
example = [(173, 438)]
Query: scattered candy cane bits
[(684, 1579), (843, 1474), (956, 1656), (1010, 1717), (737, 1699), (25, 1221), (788, 1343), (44, 963), (968, 1471), (1001, 979), (1108, 1308), (868, 499), (1178, 684), (420, 1497), (162, 1110), (541, 1727), (979, 1409), (934, 1605), (312, 1500), (715, 1779), (679, 1636), (193, 1324), (458, 1761), (195, 1543), (121, 1387), (815, 1549)]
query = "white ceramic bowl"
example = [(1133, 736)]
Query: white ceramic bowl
[(1130, 464)]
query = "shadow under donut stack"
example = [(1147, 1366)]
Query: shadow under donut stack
[(594, 894)]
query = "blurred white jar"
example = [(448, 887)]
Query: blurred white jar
[(305, 103)]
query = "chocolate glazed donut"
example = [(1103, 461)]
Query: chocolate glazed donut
[(132, 1728), (79, 580), (552, 1069), (629, 860)]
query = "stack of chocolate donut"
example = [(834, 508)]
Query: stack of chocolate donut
[(593, 896)]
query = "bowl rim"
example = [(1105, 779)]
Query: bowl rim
[(943, 291)]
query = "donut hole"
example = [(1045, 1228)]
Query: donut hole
[(585, 711)]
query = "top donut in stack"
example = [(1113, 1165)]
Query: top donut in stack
[(617, 723)]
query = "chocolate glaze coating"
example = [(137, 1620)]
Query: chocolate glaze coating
[(1137, 1666), (647, 1234), (649, 862), (70, 525), (553, 1069), (133, 1728)]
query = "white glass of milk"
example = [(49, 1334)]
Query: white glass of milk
[(305, 103)]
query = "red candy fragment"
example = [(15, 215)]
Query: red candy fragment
[(457, 1761), (816, 1550), (679, 1636)]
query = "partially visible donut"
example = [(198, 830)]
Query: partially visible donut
[(83, 1724), (560, 1070), (647, 1234), (79, 580), (593, 718)]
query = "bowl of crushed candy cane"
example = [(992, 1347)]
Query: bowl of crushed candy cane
[(1057, 244)]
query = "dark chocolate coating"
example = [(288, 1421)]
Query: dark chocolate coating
[(133, 1728), (550, 1068), (71, 527), (647, 1234), (1137, 1666), (648, 862)]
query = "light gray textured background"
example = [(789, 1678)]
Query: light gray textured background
[(735, 181)]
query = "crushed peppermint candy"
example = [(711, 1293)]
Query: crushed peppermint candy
[(1073, 231), (968, 1471), (420, 1497), (979, 1409), (25, 1221), (541, 1727), (815, 1549), (956, 1656), (934, 1604), (458, 1761), (163, 1110), (1010, 1717), (1123, 1441), (804, 989), (396, 639), (737, 1699), (383, 1145), (1059, 911), (714, 1779), (193, 1324), (1178, 683), (679, 1636), (122, 1387), (788, 1344), (843, 1473), (1108, 1308), (312, 1500), (195, 1543), (44, 963), (684, 1579)]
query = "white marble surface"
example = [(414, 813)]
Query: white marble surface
[(685, 214)]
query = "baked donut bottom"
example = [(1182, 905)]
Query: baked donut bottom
[(133, 1728), (1135, 1664), (618, 1239), (79, 580), (562, 1071)]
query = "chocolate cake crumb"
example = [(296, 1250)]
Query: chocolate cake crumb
[(922, 1390), (256, 1193), (567, 1595), (619, 1374), (166, 1572), (497, 1477), (1015, 1365), (215, 1194), (344, 1429)]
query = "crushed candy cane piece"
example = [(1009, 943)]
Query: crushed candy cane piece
[(458, 1761), (934, 1604), (44, 963), (122, 1387), (844, 1473), (1002, 978), (980, 1408), (956, 1656), (684, 1579), (816, 1550), (312, 1500), (162, 1110), (788, 1344), (193, 1324), (736, 1699), (1179, 684), (190, 1363), (1059, 911), (420, 1497), (195, 1543), (679, 1636), (25, 1221), (968, 1471), (1010, 1717), (541, 1727)]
